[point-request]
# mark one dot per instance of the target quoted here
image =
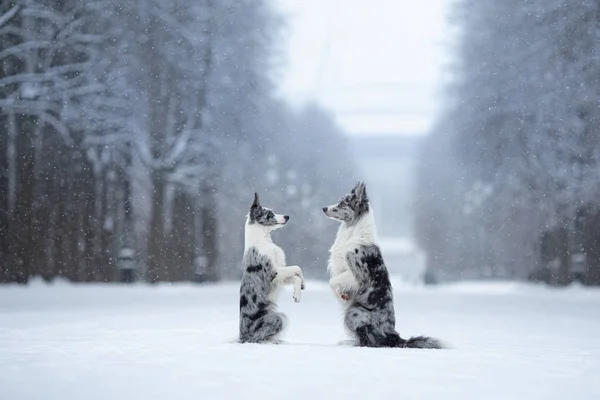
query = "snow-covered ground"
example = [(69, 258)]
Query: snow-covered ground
[(175, 342)]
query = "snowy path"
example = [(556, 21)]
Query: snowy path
[(93, 342)]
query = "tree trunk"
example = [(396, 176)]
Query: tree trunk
[(156, 236), (127, 256), (182, 243), (4, 195), (591, 240), (71, 233), (86, 184), (58, 223), (210, 244), (45, 175), (23, 249), (107, 266)]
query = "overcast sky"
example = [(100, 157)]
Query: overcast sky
[(376, 63)]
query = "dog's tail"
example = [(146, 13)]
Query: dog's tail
[(393, 339), (424, 342)]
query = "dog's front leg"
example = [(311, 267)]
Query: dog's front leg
[(343, 285), (292, 274)]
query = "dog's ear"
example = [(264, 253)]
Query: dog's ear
[(360, 191), (256, 202)]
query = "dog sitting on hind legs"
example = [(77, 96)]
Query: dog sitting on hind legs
[(265, 273), (360, 278)]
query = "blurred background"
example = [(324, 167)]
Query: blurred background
[(134, 134)]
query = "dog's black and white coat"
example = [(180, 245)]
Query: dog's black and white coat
[(265, 272), (360, 278)]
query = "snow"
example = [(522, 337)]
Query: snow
[(511, 341)]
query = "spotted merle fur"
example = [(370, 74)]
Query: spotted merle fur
[(369, 312), (370, 315), (259, 320)]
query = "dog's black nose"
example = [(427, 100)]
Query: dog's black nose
[(286, 217), (325, 209)]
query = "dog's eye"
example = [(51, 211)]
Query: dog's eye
[(270, 214)]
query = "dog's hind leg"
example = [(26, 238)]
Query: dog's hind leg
[(271, 326), (364, 337), (393, 339), (265, 328), (368, 336), (355, 318), (360, 323)]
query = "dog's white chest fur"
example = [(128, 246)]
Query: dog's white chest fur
[(256, 237), (274, 252), (339, 249), (348, 239)]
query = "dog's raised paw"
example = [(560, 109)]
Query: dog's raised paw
[(302, 286), (344, 296)]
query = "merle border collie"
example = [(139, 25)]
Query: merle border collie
[(265, 273), (360, 279)]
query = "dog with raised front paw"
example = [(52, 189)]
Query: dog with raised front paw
[(265, 273)]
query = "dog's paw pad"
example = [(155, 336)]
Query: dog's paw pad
[(344, 296)]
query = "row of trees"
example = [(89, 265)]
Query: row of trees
[(133, 135), (510, 175)]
